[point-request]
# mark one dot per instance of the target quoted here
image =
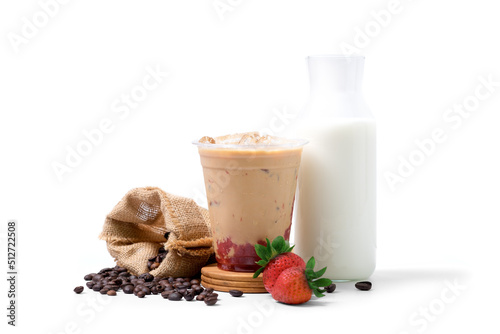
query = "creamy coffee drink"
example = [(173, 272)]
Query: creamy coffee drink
[(250, 182)]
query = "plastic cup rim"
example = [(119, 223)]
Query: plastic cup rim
[(340, 56), (290, 144)]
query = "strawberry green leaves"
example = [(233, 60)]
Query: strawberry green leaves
[(314, 280), (280, 245), (272, 249)]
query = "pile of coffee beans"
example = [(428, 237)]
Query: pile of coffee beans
[(154, 262), (109, 281)]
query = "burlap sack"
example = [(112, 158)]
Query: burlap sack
[(134, 231)]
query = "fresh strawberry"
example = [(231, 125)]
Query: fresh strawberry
[(291, 287), (277, 265), (276, 257), (295, 285)]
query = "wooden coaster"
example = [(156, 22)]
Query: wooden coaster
[(223, 280), (231, 284), (227, 288), (213, 271)]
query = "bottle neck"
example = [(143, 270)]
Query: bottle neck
[(332, 76), (335, 86)]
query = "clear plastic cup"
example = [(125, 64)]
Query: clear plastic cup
[(250, 183)]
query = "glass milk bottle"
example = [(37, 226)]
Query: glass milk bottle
[(336, 214)]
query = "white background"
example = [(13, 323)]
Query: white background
[(229, 73)]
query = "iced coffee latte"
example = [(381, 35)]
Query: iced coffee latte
[(250, 182)]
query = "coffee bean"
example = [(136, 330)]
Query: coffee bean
[(181, 291), (104, 291), (195, 282), (90, 285), (364, 285), (236, 293), (165, 294), (111, 293), (209, 290), (124, 274), (210, 301), (141, 294), (211, 295), (78, 289), (331, 288), (97, 278), (97, 287), (133, 277), (146, 291), (88, 277), (147, 277), (175, 296), (189, 295), (200, 297), (128, 289)]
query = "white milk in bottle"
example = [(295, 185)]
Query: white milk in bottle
[(336, 204)]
